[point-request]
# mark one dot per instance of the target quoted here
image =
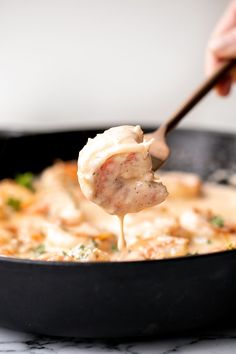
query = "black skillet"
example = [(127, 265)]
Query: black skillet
[(144, 298)]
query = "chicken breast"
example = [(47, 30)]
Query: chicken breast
[(115, 172)]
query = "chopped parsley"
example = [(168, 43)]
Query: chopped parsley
[(231, 246), (114, 247), (40, 249), (25, 180), (209, 242), (83, 252), (14, 203), (217, 221)]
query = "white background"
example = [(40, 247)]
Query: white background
[(72, 63)]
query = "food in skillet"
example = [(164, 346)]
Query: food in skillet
[(115, 172), (47, 217)]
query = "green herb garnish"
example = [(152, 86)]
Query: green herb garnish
[(231, 246), (83, 252), (40, 249), (114, 247), (25, 180), (14, 203), (217, 221), (209, 242)]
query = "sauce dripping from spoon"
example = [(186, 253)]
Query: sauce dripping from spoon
[(121, 238)]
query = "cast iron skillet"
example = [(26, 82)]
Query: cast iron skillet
[(94, 300)]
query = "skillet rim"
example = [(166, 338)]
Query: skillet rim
[(66, 264), (8, 133), (11, 133)]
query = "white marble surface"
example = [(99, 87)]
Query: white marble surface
[(214, 343)]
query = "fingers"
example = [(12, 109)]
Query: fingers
[(212, 64), (227, 21), (222, 47), (223, 88)]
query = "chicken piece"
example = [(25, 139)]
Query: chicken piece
[(197, 222), (59, 194), (33, 231), (150, 223), (14, 197), (163, 246), (9, 243), (182, 184), (115, 172), (209, 233)]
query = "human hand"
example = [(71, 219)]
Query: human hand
[(222, 47)]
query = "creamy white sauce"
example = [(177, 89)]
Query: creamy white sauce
[(164, 220), (219, 198), (121, 239)]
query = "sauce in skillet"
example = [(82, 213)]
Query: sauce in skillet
[(47, 217)]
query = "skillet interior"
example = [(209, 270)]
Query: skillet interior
[(123, 299)]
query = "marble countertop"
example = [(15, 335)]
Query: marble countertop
[(214, 343)]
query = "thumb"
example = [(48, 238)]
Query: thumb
[(224, 46)]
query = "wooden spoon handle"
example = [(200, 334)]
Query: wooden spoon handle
[(200, 92)]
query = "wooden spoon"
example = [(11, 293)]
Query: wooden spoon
[(159, 149)]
